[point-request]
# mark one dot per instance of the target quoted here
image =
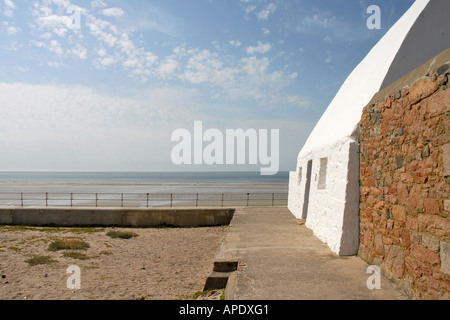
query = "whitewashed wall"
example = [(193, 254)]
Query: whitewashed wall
[(333, 212)]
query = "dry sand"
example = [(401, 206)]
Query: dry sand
[(158, 264)]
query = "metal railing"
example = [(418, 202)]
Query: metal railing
[(142, 200)]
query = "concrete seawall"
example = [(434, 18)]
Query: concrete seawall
[(115, 217)]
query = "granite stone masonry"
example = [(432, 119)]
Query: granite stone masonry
[(405, 185)]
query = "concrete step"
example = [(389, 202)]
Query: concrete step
[(217, 280), (225, 265)]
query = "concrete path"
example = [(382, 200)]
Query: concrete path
[(279, 259)]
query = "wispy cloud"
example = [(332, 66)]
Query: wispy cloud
[(248, 78), (204, 66), (80, 52), (112, 12), (260, 48), (320, 20), (76, 128), (106, 43), (235, 43), (12, 30), (266, 12), (135, 70), (327, 24), (82, 129), (9, 8), (79, 107)]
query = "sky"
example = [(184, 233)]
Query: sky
[(101, 85)]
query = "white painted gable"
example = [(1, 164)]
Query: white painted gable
[(344, 112), (325, 187)]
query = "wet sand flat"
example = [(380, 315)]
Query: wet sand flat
[(140, 195)]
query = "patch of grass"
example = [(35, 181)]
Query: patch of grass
[(86, 230), (27, 228), (75, 255), (198, 294), (208, 293), (32, 240), (106, 252), (121, 235), (51, 230), (68, 244), (39, 260)]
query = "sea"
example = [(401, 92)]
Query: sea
[(163, 188), (145, 177)]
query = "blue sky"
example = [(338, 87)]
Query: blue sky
[(107, 96)]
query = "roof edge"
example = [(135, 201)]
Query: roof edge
[(431, 65)]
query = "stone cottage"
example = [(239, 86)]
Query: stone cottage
[(325, 188)]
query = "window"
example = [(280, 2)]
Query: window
[(299, 178), (323, 174)]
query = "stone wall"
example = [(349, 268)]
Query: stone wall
[(405, 185)]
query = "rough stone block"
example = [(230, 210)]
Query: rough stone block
[(432, 206), (415, 237), (402, 194), (438, 104), (447, 205), (430, 242), (435, 224), (445, 257), (399, 213), (405, 238), (412, 224), (415, 197), (420, 176), (399, 161), (395, 261), (414, 267), (406, 177), (379, 246), (421, 90), (425, 255), (446, 150)]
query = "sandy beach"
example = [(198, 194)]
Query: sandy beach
[(157, 264)]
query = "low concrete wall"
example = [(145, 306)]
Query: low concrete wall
[(115, 217)]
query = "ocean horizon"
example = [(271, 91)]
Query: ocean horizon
[(255, 177)]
